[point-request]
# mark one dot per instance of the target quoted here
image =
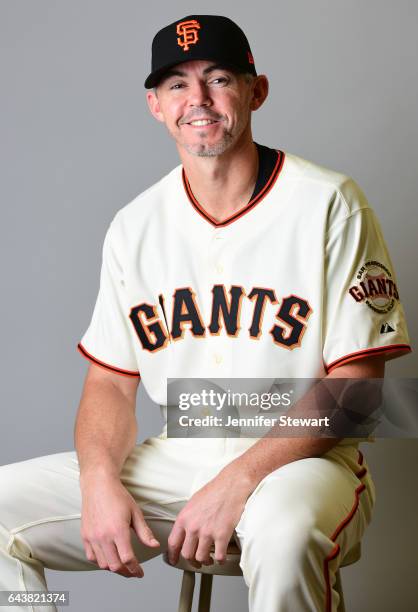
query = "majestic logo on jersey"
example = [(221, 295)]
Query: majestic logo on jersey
[(376, 287), (188, 32), (154, 331), (387, 328)]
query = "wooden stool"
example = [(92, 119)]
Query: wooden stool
[(231, 568)]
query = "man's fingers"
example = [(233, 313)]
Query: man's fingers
[(188, 550), (202, 554), (98, 553), (89, 552), (221, 547), (175, 543), (126, 553), (142, 530), (116, 561)]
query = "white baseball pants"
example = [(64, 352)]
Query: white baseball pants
[(296, 527)]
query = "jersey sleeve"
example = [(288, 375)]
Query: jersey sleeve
[(363, 310), (108, 341)]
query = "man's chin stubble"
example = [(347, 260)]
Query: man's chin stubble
[(204, 150)]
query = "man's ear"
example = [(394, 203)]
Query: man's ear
[(260, 91), (154, 105)]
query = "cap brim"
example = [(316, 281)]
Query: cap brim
[(155, 77)]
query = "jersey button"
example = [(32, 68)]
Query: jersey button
[(219, 268), (218, 358)]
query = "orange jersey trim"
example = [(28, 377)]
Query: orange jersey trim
[(261, 194), (403, 348), (107, 366)]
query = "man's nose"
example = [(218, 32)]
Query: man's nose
[(199, 95)]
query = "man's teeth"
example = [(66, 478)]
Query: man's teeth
[(201, 122)]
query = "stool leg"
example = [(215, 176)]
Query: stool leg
[(339, 588), (186, 593), (205, 592)]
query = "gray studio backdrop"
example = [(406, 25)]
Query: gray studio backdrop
[(78, 143)]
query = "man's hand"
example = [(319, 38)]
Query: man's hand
[(210, 516), (108, 512)]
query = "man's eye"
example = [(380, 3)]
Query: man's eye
[(176, 86), (220, 80)]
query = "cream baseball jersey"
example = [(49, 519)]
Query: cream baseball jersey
[(296, 283)]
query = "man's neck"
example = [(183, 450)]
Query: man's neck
[(223, 184)]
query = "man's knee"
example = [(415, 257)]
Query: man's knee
[(10, 498), (285, 539), (11, 482), (35, 488), (287, 549)]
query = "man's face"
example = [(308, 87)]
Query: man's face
[(206, 107)]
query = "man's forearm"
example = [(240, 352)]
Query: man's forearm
[(275, 449), (272, 451), (105, 430), (269, 454)]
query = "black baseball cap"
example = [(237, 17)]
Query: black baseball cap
[(200, 37)]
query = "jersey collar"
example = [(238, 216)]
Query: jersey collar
[(269, 167)]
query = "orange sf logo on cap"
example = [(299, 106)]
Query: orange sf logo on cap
[(188, 33)]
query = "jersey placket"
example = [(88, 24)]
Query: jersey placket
[(218, 274)]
